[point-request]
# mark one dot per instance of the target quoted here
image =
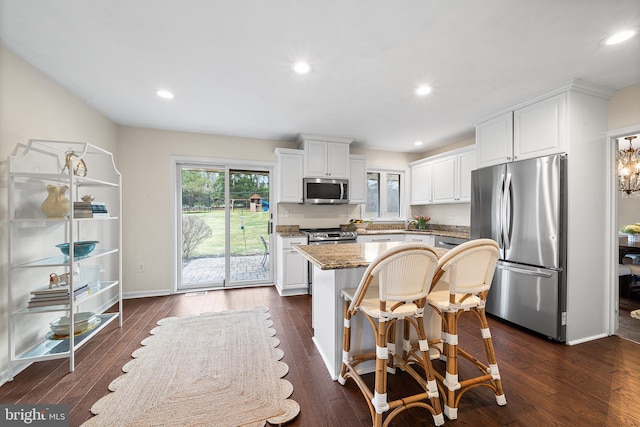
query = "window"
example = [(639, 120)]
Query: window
[(384, 195)]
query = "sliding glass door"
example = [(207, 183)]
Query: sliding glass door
[(223, 226)]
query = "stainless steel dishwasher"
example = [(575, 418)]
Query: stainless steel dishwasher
[(448, 242)]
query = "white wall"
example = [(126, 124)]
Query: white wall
[(33, 106)]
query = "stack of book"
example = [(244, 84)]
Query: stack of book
[(82, 210), (81, 293), (49, 296), (57, 296), (99, 210)]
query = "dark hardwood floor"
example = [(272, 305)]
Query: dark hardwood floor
[(546, 384)]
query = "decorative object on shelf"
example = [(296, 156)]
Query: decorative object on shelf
[(360, 224), (56, 205), (629, 170), (422, 220), (87, 198), (75, 164), (56, 279), (632, 231), (82, 322), (82, 248)]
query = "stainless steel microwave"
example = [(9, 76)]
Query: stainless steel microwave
[(323, 191)]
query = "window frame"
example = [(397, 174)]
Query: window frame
[(382, 188)]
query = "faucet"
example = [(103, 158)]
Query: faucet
[(408, 222)]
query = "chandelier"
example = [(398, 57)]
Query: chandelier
[(629, 170)]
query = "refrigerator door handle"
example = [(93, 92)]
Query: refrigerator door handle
[(506, 212), (524, 271), (500, 212)]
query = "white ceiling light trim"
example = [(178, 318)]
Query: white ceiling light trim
[(619, 37), (163, 93), (418, 143), (301, 67)]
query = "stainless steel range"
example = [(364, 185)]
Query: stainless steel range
[(319, 236), (326, 236)]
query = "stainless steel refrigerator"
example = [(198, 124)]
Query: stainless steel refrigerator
[(522, 206)]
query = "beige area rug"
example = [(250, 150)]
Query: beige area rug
[(216, 369)]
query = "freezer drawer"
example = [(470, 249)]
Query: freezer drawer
[(530, 297)]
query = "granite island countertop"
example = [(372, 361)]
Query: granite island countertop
[(347, 255)]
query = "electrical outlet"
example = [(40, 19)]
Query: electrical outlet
[(141, 268), (452, 215)]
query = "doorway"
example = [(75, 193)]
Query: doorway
[(625, 210), (223, 218)]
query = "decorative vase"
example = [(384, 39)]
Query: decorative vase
[(56, 205), (422, 225), (633, 238)]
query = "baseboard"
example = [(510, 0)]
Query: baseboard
[(145, 294), (587, 339), (17, 368)]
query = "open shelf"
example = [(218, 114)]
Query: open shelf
[(59, 260), (102, 287), (55, 349)]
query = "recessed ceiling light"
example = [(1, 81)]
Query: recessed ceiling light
[(162, 93), (423, 90), (301, 67), (417, 143), (619, 37)]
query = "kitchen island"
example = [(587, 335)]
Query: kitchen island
[(338, 267)]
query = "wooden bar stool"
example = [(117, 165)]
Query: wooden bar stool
[(461, 283), (404, 274)]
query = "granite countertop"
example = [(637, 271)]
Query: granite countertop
[(437, 230), (447, 233), (348, 255)]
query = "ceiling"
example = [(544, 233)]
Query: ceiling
[(228, 62)]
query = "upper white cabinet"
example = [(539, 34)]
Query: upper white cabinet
[(494, 140), (325, 157), (445, 178), (358, 179), (421, 177), (290, 169), (540, 129), (533, 130)]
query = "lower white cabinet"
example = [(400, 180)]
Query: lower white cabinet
[(381, 238), (428, 239), (292, 268)]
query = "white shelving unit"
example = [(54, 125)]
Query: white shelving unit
[(33, 256)]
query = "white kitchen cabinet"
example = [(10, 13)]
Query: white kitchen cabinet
[(289, 175), (540, 128), (449, 176), (528, 131), (428, 239), (444, 179), (421, 177), (358, 180), (325, 157), (46, 184), (466, 162), (292, 268), (380, 238), (494, 140)]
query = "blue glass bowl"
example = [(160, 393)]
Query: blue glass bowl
[(82, 248)]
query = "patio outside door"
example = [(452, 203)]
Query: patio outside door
[(224, 220)]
